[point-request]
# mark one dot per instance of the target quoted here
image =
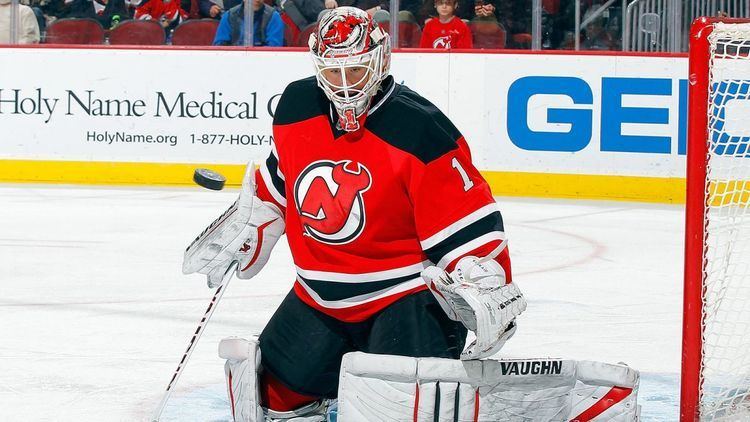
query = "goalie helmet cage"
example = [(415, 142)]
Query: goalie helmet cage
[(716, 317)]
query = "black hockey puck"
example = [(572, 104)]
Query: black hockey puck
[(209, 179)]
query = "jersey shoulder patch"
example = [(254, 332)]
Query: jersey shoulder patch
[(413, 124), (300, 101)]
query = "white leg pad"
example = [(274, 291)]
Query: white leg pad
[(605, 392), (241, 370), (384, 387)]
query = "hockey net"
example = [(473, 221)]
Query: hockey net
[(716, 330)]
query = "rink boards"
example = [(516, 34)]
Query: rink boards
[(545, 125)]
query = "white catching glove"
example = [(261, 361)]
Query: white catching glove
[(246, 233), (475, 293)]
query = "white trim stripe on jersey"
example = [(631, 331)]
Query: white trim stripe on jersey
[(382, 100), (278, 166), (458, 225), (361, 299), (266, 175), (363, 277), (469, 246)]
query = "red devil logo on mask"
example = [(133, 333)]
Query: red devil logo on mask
[(329, 200)]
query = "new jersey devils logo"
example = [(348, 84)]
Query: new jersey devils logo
[(442, 42), (329, 200)]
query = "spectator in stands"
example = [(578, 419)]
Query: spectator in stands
[(305, 12), (446, 31), (513, 16), (214, 8), (478, 9), (369, 6), (597, 37), (78, 9), (99, 6), (606, 34), (268, 28), (192, 7), (51, 9), (169, 13), (415, 11), (35, 5), (115, 11), (28, 28), (568, 41)]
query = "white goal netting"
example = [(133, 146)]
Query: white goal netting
[(725, 369)]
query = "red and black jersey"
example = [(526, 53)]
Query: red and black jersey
[(367, 211)]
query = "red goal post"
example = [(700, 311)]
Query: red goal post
[(716, 322)]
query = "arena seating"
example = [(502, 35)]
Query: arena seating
[(195, 32), (304, 35), (75, 31), (137, 32), (409, 33), (487, 34)]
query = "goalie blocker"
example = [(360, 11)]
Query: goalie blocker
[(397, 388)]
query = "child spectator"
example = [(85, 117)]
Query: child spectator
[(168, 13), (446, 31), (268, 28), (28, 28)]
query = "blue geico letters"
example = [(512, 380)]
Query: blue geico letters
[(580, 117)]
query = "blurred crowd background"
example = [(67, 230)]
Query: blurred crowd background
[(603, 25)]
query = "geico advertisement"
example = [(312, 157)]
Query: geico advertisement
[(575, 114), (535, 113)]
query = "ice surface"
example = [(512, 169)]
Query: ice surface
[(95, 313)]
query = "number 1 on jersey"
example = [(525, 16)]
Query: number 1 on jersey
[(468, 184)]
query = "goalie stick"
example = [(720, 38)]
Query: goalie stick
[(196, 336)]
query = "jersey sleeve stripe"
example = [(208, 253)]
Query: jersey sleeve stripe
[(276, 157), (331, 291), (262, 192), (273, 182), (469, 246), (364, 298), (487, 224), (363, 277), (496, 249), (272, 164), (459, 225)]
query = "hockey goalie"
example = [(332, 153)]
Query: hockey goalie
[(399, 249)]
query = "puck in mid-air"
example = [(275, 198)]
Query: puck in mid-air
[(209, 179)]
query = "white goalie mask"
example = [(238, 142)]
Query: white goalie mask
[(352, 56)]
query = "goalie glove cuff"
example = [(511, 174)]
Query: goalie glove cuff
[(267, 226), (246, 233), (475, 293)]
